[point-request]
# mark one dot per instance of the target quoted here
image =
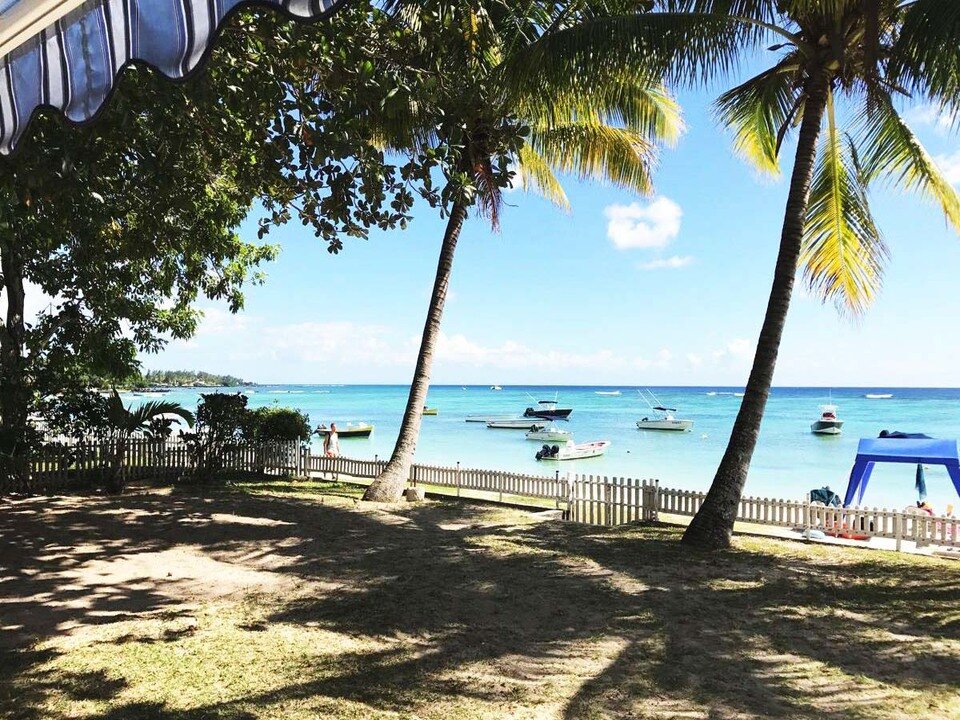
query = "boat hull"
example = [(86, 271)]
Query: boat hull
[(668, 425), (548, 435), (520, 424), (555, 414), (827, 427), (488, 418), (349, 432), (576, 452)]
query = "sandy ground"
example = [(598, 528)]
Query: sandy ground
[(239, 607)]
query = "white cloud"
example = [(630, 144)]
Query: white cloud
[(460, 350), (931, 116), (738, 349), (674, 262), (694, 359), (643, 226), (950, 165)]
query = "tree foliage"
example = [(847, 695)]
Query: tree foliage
[(122, 225)]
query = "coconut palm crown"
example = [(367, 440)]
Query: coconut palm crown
[(601, 122), (840, 70)]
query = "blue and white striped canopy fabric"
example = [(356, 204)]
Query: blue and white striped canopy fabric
[(71, 65)]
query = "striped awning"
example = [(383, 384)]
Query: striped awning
[(67, 53)]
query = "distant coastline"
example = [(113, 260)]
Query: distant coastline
[(181, 378)]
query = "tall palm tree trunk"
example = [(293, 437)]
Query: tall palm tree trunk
[(389, 485), (712, 526)]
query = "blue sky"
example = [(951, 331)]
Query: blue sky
[(623, 290)]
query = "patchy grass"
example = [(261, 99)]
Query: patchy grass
[(296, 600)]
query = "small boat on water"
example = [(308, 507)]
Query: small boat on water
[(878, 396), (548, 410), (496, 387), (348, 431), (572, 451), (663, 417), (488, 418), (516, 424), (608, 393), (549, 434), (829, 423), (430, 410)]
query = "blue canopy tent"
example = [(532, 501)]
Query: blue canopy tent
[(914, 451), (66, 54)]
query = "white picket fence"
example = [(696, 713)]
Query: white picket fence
[(610, 501), (56, 468)]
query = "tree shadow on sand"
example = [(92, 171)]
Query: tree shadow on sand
[(507, 614)]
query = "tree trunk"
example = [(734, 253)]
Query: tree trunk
[(13, 392), (712, 527), (389, 485)]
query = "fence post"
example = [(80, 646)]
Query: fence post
[(458, 478), (556, 498), (898, 528)]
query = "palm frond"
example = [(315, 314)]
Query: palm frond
[(684, 49), (760, 111), (890, 150), (640, 104), (843, 253), (534, 174), (925, 57), (595, 150)]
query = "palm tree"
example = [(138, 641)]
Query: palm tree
[(863, 54), (599, 122), (152, 419)]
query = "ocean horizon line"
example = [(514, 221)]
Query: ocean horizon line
[(613, 386)]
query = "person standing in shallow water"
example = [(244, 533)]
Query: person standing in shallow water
[(331, 443)]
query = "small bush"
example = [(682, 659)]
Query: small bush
[(276, 424)]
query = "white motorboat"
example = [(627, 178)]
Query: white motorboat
[(829, 423), (549, 434), (665, 422), (572, 451), (663, 417), (608, 393), (496, 387), (517, 424), (878, 396), (489, 418)]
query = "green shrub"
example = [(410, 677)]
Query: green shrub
[(276, 424)]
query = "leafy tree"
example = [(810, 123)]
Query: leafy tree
[(126, 222), (594, 122), (840, 68)]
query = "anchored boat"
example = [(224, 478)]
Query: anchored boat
[(488, 418), (663, 417), (349, 430), (551, 434), (829, 423), (430, 410), (572, 451), (548, 410), (516, 424)]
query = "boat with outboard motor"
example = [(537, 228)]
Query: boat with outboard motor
[(573, 451), (548, 410), (551, 434), (829, 423)]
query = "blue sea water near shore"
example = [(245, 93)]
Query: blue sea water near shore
[(789, 460)]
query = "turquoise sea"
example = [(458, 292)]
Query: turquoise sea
[(789, 460)]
